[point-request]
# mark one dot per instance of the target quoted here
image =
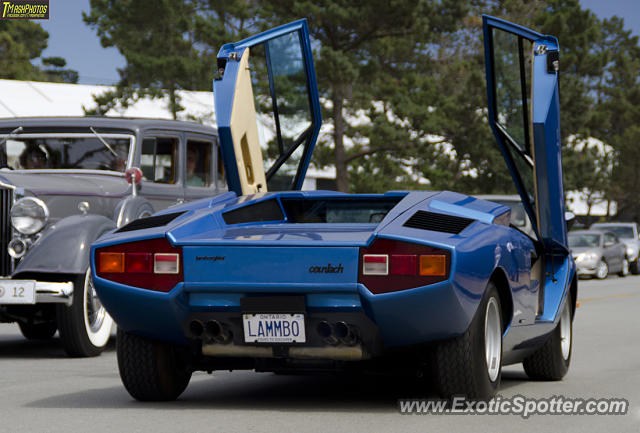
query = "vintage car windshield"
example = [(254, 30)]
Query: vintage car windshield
[(623, 232), (81, 152), (585, 240)]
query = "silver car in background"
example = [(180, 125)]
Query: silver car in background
[(598, 253), (628, 234)]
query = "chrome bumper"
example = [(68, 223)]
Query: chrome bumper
[(54, 293), (47, 292)]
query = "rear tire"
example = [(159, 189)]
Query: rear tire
[(635, 268), (151, 370), (552, 360), (40, 331), (471, 364), (85, 326)]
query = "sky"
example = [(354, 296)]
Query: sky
[(72, 39)]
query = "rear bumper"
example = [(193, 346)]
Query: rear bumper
[(338, 336), (391, 320)]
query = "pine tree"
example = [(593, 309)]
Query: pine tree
[(21, 47), (168, 45)]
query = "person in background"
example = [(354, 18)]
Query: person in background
[(33, 158), (118, 164), (193, 178)]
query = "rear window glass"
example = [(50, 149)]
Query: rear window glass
[(338, 210)]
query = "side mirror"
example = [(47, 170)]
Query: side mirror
[(570, 218), (609, 244), (133, 177)]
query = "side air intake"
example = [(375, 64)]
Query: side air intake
[(438, 222), (150, 222)]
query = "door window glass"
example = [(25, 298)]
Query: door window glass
[(283, 106), (198, 172), (158, 159), (513, 65), (221, 178), (609, 239)]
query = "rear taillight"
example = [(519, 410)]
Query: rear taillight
[(375, 264), (152, 264), (390, 266)]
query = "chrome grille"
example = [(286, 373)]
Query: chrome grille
[(6, 200)]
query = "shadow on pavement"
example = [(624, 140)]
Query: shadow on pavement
[(266, 391), (18, 347)]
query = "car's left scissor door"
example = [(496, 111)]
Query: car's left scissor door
[(267, 109), (524, 113)]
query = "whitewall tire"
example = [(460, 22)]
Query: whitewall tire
[(85, 326)]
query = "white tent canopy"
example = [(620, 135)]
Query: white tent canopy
[(33, 98)]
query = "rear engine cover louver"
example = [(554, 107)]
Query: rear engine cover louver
[(438, 222)]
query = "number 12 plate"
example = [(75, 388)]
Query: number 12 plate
[(274, 328), (17, 292)]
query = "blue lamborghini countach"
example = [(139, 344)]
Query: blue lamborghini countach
[(298, 281)]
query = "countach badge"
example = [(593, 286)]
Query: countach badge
[(329, 269)]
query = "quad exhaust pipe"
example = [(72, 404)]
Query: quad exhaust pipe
[(340, 332), (217, 332), (211, 330), (196, 328)]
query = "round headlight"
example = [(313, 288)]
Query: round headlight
[(29, 215)]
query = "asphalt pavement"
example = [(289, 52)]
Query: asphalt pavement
[(44, 391)]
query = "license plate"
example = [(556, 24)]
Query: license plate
[(273, 328), (17, 292)]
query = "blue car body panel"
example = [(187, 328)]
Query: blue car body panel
[(225, 261)]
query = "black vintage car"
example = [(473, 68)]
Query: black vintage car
[(66, 181)]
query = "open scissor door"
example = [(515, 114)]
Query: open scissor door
[(267, 109), (524, 113)]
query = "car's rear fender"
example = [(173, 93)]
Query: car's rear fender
[(132, 208), (445, 310)]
